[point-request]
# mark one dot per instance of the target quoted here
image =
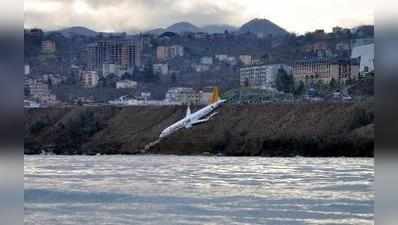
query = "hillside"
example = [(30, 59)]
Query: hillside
[(77, 31), (213, 29), (238, 130), (262, 27), (183, 27)]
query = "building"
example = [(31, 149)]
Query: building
[(183, 95), (245, 59), (362, 41), (48, 46), (40, 92), (122, 51), (162, 69), (343, 46), (108, 69), (337, 29), (35, 32), (115, 69), (205, 95), (222, 57), (124, 84), (168, 52), (162, 53), (37, 88), (93, 60), (366, 56), (261, 76), (325, 70), (89, 79), (53, 79), (26, 69), (206, 60), (231, 60), (176, 51), (200, 68)]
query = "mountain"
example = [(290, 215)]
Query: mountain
[(183, 27), (213, 29), (157, 31), (262, 27), (74, 31)]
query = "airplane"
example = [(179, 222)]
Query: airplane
[(191, 119)]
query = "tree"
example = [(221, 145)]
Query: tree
[(246, 82), (50, 83), (284, 81), (300, 89), (333, 84), (173, 78), (150, 75), (128, 76), (110, 80)]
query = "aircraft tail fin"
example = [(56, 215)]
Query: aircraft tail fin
[(188, 111), (215, 96)]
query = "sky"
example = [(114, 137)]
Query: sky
[(297, 16)]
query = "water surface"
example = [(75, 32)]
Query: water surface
[(174, 190)]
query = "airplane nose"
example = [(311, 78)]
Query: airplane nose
[(163, 134)]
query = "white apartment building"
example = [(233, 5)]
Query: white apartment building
[(261, 76), (366, 53)]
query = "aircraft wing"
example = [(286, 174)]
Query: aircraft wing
[(197, 122)]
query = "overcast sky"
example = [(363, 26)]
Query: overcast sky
[(297, 16)]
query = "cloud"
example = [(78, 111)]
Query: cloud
[(122, 15), (133, 15)]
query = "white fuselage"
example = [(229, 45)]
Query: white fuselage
[(192, 119)]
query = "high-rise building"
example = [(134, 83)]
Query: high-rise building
[(125, 52)]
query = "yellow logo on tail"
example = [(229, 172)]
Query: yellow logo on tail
[(215, 96)]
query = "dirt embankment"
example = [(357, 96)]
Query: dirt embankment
[(238, 130)]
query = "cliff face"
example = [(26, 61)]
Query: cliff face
[(245, 130)]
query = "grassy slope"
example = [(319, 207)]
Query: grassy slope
[(269, 130)]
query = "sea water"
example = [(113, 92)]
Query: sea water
[(173, 190)]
